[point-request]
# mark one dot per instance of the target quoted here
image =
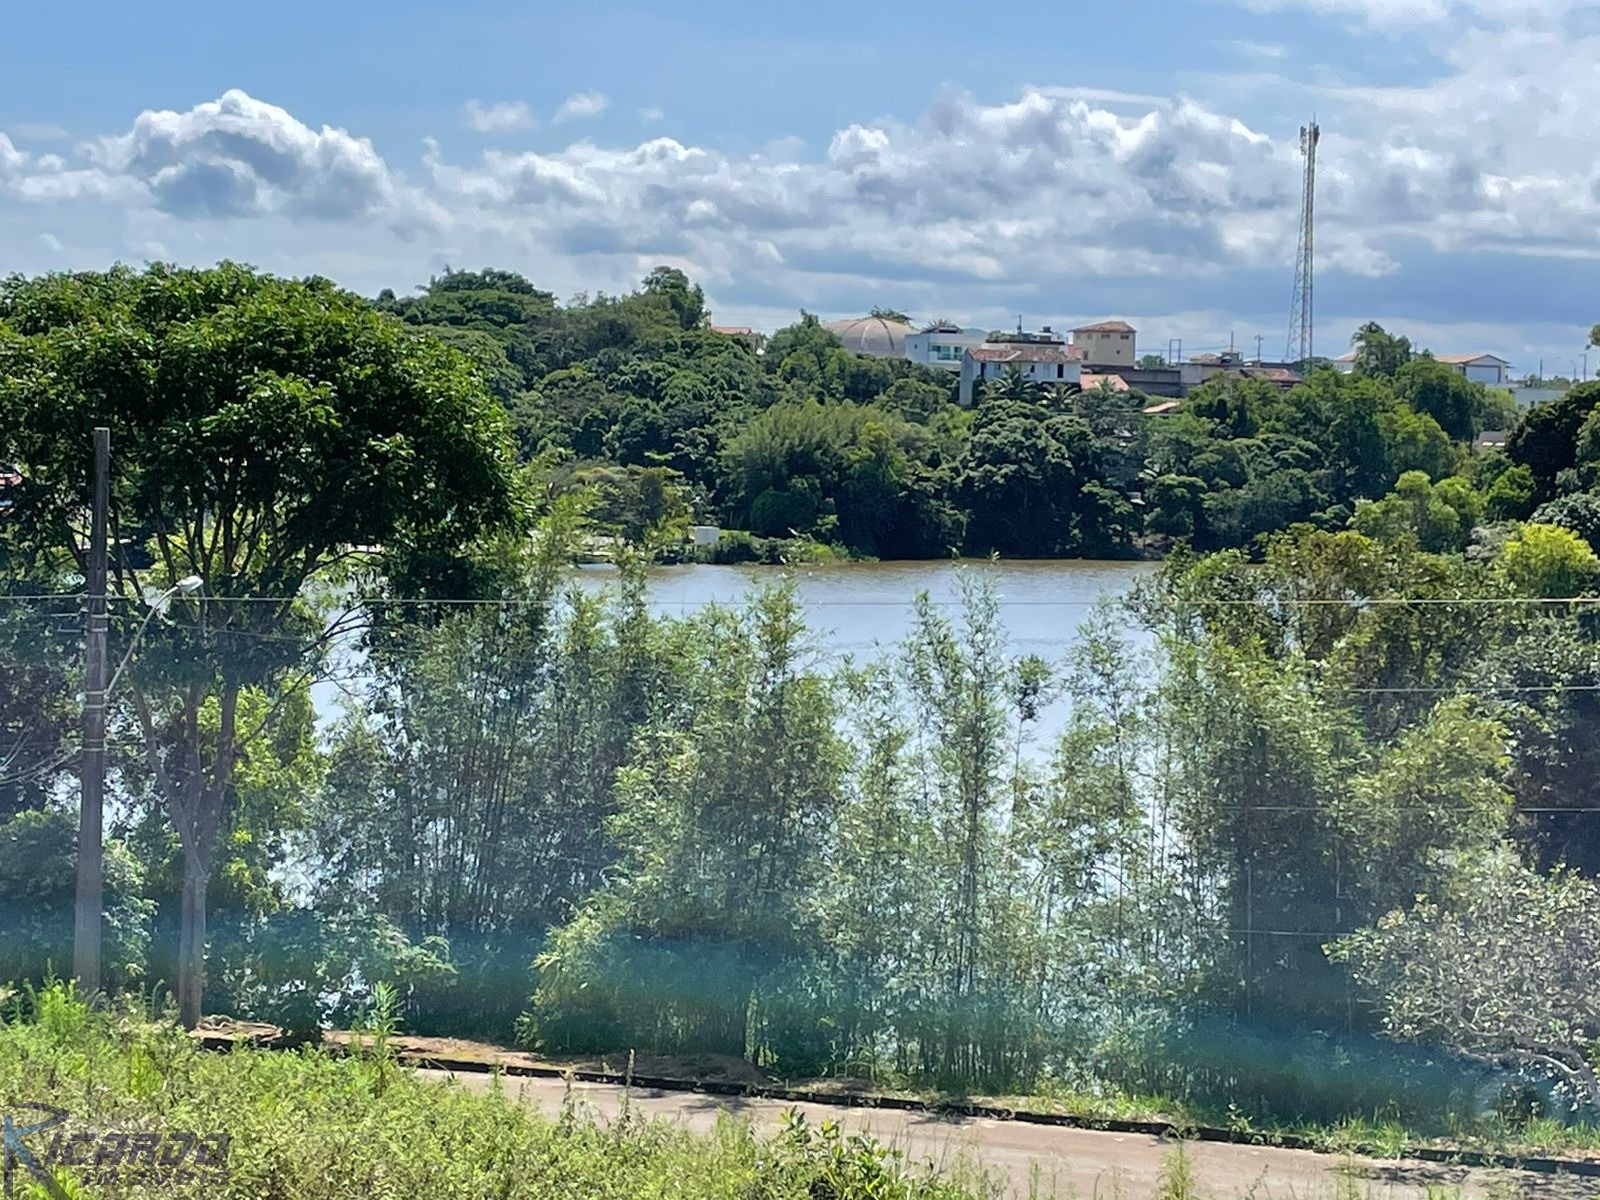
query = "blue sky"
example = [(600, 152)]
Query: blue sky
[(1133, 160)]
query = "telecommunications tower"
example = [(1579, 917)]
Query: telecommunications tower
[(1302, 325)]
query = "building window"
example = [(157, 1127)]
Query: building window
[(1061, 371), (1124, 337)]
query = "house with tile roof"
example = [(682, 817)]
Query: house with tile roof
[(1041, 362)]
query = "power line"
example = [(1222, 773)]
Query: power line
[(663, 601)]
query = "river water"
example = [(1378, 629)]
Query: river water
[(854, 608)]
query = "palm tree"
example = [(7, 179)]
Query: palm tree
[(1013, 385)]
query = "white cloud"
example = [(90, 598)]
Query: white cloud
[(1124, 201), (239, 156), (39, 131), (582, 104), (651, 115), (500, 117), (51, 241), (1403, 16), (12, 160), (1246, 48)]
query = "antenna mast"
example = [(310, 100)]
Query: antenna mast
[(1302, 323)]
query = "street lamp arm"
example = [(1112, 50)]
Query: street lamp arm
[(187, 585)]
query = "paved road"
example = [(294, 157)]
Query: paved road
[(1045, 1161)]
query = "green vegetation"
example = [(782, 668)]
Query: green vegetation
[(810, 442), (308, 1126), (1199, 856)]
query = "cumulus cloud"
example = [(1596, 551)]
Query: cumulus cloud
[(500, 117), (1139, 202), (582, 104), (238, 156), (12, 160)]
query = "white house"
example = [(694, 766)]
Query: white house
[(1108, 344), (943, 345), (1480, 368), (1043, 363)]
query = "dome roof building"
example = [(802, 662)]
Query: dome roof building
[(880, 337)]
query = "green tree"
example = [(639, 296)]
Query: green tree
[(38, 872), (262, 428), (1513, 495), (1033, 485), (1579, 512), (1546, 440), (1440, 516), (1505, 969), (725, 815), (1438, 391), (1013, 385), (1548, 562), (1379, 352)]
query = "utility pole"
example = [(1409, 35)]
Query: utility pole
[(1259, 340), (92, 761)]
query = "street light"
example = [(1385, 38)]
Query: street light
[(186, 586)]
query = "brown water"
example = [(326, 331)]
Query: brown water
[(856, 607)]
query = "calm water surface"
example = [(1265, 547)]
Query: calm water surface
[(855, 607)]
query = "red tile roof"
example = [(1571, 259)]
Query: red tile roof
[(1019, 352), (732, 330), (1106, 327), (1169, 406), (1115, 382), (1271, 374)]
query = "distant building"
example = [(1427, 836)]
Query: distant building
[(943, 345), (1493, 439), (1108, 344), (1204, 367), (1042, 362), (1480, 368), (878, 337), (756, 341), (1488, 369), (1090, 379)]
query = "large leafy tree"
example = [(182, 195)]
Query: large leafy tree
[(268, 435), (1546, 442), (1508, 970), (1379, 352), (1034, 486)]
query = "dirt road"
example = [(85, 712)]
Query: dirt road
[(1046, 1161)]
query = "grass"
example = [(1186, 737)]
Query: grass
[(306, 1125), (312, 1125)]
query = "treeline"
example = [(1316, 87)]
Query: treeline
[(661, 420)]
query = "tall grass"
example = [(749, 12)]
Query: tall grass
[(309, 1126)]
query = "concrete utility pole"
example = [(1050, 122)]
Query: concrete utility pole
[(92, 763)]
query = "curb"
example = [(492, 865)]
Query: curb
[(1589, 1168)]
